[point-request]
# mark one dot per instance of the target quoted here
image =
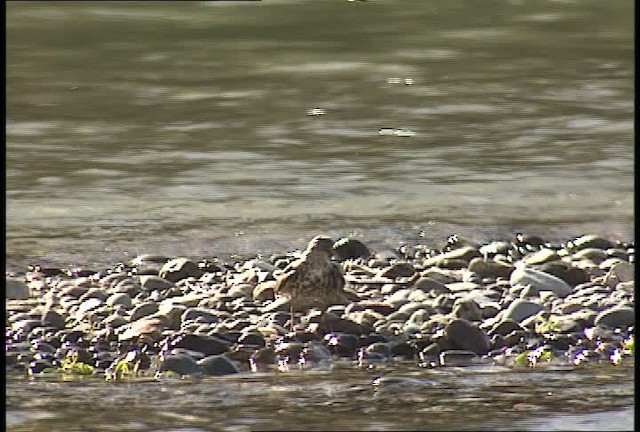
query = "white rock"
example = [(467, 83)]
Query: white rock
[(539, 280)]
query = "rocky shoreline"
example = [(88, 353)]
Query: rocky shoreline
[(519, 303)]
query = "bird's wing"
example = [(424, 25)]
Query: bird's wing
[(288, 278), (337, 276)]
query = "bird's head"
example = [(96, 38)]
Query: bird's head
[(320, 244)]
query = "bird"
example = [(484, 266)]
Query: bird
[(313, 280)]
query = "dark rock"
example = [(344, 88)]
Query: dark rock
[(489, 268), (207, 345), (467, 336), (429, 285), (402, 349), (397, 270), (154, 283), (16, 289), (573, 276), (430, 352), (589, 241), (180, 268), (37, 366), (53, 319), (143, 310), (342, 345), (264, 291), (505, 327), (201, 314), (379, 347), (218, 365), (348, 248), (181, 364), (457, 358), (521, 309), (252, 339), (616, 317)]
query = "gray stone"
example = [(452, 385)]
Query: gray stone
[(490, 268), (541, 256), (143, 310), (590, 241), (153, 283), (427, 284), (457, 358), (16, 289), (540, 280), (617, 317), (520, 309), (180, 268), (119, 299), (218, 365), (181, 364), (264, 291), (467, 336), (465, 253), (348, 248)]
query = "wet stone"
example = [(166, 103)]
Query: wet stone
[(617, 317), (467, 336), (181, 364), (348, 248), (218, 365)]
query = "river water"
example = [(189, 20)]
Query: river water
[(183, 128), (188, 128)]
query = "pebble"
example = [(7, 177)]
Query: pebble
[(539, 280), (443, 307)]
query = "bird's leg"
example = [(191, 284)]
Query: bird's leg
[(291, 319)]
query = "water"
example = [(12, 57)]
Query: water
[(182, 128), (406, 398)]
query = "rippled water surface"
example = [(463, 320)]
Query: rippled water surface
[(182, 128), (397, 398)]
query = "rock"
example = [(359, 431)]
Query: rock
[(429, 285), (467, 309), (539, 280), (595, 255), (348, 248), (621, 272), (541, 256), (16, 289), (264, 291), (505, 327), (457, 358), (53, 319), (180, 268), (590, 241), (205, 344), (489, 268), (280, 304), (143, 310), (571, 275), (617, 317), (200, 314), (181, 364), (467, 336), (457, 287), (520, 309), (465, 253), (154, 283), (342, 345), (397, 270), (119, 299), (218, 365), (146, 329)]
